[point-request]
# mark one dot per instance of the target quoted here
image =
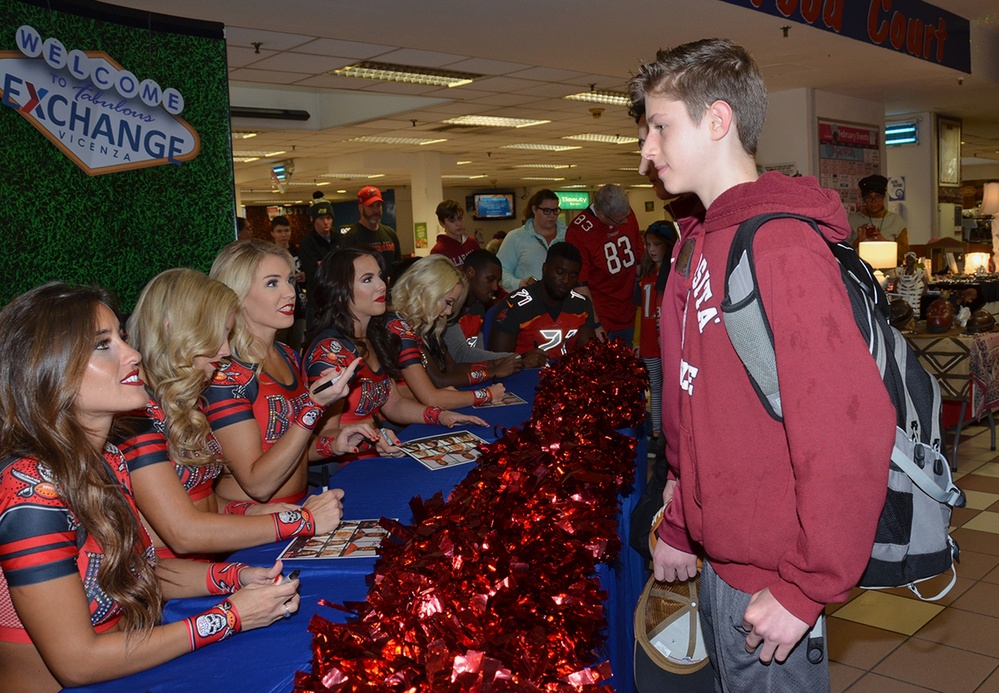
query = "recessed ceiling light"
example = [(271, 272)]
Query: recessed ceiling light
[(494, 122), (244, 159), (541, 178), (555, 166), (408, 74), (377, 139), (608, 139), (542, 147), (256, 153), (611, 98)]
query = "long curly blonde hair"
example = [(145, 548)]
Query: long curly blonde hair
[(416, 297), (181, 314), (234, 266)]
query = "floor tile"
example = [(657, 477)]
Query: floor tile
[(960, 516), (991, 684), (991, 469), (873, 683), (937, 667), (858, 645), (964, 630), (984, 522), (980, 598), (890, 612), (975, 566), (973, 540), (979, 500), (841, 676), (979, 482)]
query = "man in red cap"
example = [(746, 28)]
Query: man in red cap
[(369, 232)]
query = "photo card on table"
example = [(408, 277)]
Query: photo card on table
[(352, 539), (444, 450), (509, 398)]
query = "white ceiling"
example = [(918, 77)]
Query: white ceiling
[(532, 54)]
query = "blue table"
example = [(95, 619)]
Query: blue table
[(266, 659)]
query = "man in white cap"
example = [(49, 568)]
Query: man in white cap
[(369, 232)]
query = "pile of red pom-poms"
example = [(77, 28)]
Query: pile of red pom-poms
[(495, 589)]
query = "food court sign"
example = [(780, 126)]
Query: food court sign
[(99, 114), (912, 27)]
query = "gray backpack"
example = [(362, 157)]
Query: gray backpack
[(912, 542)]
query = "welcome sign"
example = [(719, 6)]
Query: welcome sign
[(96, 112)]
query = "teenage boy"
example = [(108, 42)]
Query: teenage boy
[(785, 512), (547, 315), (453, 243), (464, 336)]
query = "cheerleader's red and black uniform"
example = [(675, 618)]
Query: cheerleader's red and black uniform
[(536, 324), (238, 392), (41, 540), (146, 444), (369, 389)]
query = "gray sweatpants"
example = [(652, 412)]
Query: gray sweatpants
[(736, 671)]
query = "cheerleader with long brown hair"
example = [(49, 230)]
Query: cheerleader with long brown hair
[(81, 590)]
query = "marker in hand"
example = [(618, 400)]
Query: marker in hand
[(327, 385), (282, 579)]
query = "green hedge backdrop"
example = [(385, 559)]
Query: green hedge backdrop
[(117, 229)]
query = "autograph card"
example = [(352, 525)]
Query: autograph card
[(444, 450), (509, 399), (352, 539)]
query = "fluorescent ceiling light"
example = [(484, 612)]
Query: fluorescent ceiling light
[(641, 185), (541, 178), (278, 202), (632, 168), (575, 187), (456, 176), (349, 176), (377, 139), (611, 98), (245, 159), (409, 74), (461, 163), (901, 133), (341, 192), (256, 153), (608, 139), (555, 166), (494, 122), (542, 147), (243, 135), (303, 184)]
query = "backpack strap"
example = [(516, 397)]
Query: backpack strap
[(744, 316)]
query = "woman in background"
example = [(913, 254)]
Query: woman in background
[(350, 305), (261, 412), (81, 590), (422, 299), (181, 326), (652, 272)]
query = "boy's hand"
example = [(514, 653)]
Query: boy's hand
[(770, 624)]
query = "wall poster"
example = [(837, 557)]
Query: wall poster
[(847, 153)]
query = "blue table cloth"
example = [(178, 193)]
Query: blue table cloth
[(266, 659)]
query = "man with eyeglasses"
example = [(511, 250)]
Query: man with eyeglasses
[(607, 236), (524, 249), (874, 222)]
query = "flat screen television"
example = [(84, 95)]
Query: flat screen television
[(493, 206)]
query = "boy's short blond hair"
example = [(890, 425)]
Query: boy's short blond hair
[(702, 72)]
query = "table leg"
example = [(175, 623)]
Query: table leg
[(957, 434)]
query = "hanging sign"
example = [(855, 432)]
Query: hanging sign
[(912, 27), (98, 113)]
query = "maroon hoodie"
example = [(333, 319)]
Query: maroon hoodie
[(792, 506)]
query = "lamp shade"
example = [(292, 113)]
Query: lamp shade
[(990, 200), (879, 254), (976, 261)]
